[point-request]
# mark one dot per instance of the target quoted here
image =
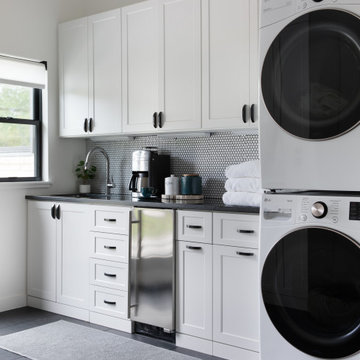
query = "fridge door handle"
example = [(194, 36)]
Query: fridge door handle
[(133, 295)]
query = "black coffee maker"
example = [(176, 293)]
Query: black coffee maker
[(149, 170)]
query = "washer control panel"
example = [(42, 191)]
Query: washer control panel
[(319, 210), (354, 212), (313, 210)]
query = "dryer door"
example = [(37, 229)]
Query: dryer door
[(311, 291), (311, 75)]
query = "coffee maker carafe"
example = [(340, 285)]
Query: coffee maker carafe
[(149, 169)]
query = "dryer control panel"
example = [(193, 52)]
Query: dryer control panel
[(273, 11)]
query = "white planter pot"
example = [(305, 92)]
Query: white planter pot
[(84, 189)]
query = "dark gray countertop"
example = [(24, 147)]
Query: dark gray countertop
[(125, 200)]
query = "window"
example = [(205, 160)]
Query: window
[(21, 86)]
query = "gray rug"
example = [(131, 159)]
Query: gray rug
[(62, 340)]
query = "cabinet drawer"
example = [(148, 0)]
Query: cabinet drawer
[(194, 226), (112, 221), (110, 247), (109, 302), (109, 274), (236, 230)]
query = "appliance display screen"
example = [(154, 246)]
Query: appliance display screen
[(354, 213)]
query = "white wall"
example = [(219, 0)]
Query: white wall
[(29, 29), (95, 6)]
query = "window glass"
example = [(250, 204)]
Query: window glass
[(16, 102), (17, 151)]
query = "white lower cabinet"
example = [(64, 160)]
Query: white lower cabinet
[(41, 251), (58, 252), (194, 282), (218, 292), (109, 268), (72, 254), (77, 272), (235, 289)]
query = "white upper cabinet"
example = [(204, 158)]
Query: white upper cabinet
[(73, 77), (90, 75), (229, 44), (105, 72), (140, 56), (162, 66), (180, 49)]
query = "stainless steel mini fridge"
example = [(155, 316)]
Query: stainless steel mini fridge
[(152, 267)]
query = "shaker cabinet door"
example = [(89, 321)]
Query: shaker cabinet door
[(140, 61), (227, 58), (73, 255), (73, 77), (105, 73), (41, 251), (180, 64), (194, 289), (236, 297)]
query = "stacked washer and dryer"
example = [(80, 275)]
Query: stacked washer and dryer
[(310, 162)]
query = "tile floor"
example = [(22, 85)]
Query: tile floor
[(26, 318)]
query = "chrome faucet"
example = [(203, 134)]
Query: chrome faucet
[(109, 183)]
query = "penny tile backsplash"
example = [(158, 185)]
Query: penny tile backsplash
[(207, 156)]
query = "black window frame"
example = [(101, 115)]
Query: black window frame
[(37, 123)]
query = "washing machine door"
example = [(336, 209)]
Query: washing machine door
[(311, 291), (311, 75)]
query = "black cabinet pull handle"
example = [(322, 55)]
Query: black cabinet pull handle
[(160, 119), (53, 211), (245, 231), (155, 120), (58, 212), (244, 114), (109, 302), (91, 125), (109, 247), (110, 275), (193, 247), (86, 125), (244, 253), (194, 226), (110, 220), (252, 113)]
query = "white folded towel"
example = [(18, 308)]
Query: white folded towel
[(242, 198), (243, 184), (245, 169)]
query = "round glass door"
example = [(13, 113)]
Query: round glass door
[(311, 291), (311, 75)]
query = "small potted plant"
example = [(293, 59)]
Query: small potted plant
[(85, 175)]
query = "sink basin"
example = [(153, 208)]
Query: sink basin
[(96, 196)]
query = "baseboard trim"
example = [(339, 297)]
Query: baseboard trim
[(111, 322), (234, 353), (194, 343), (57, 308), (12, 302)]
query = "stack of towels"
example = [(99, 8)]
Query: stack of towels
[(243, 184)]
